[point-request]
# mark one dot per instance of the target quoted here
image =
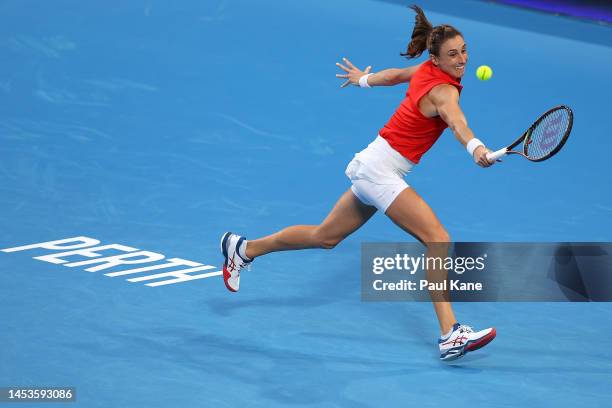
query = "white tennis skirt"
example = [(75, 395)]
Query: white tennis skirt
[(377, 174)]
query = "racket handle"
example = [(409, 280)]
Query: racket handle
[(497, 154)]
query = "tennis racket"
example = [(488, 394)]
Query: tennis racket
[(544, 138)]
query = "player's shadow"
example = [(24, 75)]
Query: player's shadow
[(289, 374)]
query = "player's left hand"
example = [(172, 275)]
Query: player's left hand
[(352, 73)]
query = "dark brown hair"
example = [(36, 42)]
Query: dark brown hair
[(427, 37)]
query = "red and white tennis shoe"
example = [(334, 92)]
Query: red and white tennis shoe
[(462, 340), (234, 250)]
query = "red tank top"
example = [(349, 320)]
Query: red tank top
[(409, 131)]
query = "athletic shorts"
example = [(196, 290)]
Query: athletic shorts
[(377, 174)]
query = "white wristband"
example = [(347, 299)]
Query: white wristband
[(473, 145), (363, 81)]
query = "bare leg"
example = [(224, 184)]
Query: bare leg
[(410, 212), (347, 216)]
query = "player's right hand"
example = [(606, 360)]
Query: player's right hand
[(480, 157)]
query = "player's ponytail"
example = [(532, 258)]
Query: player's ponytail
[(420, 34), (427, 37)]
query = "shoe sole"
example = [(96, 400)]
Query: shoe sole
[(223, 246), (480, 343), (226, 277)]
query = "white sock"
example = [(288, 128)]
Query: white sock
[(447, 334), (242, 250)]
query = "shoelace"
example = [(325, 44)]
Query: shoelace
[(465, 329), (238, 264)]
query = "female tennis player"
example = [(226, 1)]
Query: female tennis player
[(377, 172)]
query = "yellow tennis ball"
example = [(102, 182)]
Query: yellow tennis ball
[(484, 72)]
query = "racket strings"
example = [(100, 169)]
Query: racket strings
[(548, 134)]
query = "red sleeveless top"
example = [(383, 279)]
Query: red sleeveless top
[(409, 131)]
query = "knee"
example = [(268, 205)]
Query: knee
[(325, 241), (439, 236)]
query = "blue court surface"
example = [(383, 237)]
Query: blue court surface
[(160, 126)]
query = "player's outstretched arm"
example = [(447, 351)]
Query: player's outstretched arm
[(387, 77), (446, 100)]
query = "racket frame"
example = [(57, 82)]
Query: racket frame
[(525, 137)]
